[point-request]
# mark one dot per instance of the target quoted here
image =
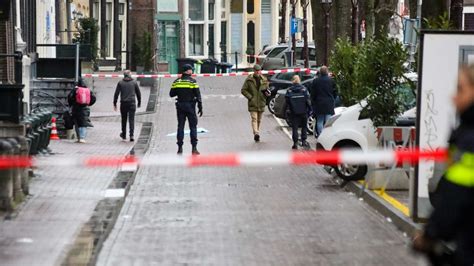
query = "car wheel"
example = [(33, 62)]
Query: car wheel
[(310, 124), (271, 105), (350, 172)]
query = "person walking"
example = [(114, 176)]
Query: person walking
[(187, 93), (453, 215), (323, 95), (79, 99), (299, 103), (128, 90), (255, 89)]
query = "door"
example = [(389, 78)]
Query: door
[(168, 44)]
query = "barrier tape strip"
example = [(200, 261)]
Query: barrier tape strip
[(234, 74), (256, 159)]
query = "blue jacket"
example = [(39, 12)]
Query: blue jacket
[(298, 95)]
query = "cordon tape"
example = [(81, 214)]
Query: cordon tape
[(234, 74), (254, 159)]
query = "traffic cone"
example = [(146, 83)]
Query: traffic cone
[(54, 130)]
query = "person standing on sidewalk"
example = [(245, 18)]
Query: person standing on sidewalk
[(453, 215), (255, 89), (323, 97), (188, 95), (128, 90), (80, 98), (299, 103)]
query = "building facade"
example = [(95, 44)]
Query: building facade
[(218, 29), (468, 15)]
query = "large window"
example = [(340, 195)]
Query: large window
[(250, 6), (196, 37), (212, 4), (211, 41), (223, 42), (196, 9)]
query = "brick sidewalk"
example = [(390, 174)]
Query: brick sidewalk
[(62, 200), (243, 216)]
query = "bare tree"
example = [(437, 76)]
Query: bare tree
[(355, 21), (284, 4), (304, 5)]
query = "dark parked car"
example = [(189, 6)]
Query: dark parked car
[(283, 81)]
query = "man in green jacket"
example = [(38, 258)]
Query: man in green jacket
[(254, 89)]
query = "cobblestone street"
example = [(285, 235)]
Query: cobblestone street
[(243, 216)]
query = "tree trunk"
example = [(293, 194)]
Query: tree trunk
[(413, 6), (117, 37), (284, 4), (318, 29), (355, 21), (456, 13)]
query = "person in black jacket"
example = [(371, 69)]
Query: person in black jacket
[(188, 95), (323, 96), (453, 215), (128, 90), (299, 103), (80, 112)]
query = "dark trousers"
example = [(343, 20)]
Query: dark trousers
[(298, 121), (127, 110), (187, 110)]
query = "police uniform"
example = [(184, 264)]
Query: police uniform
[(188, 95), (299, 106), (453, 216)]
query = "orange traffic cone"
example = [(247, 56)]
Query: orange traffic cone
[(54, 130)]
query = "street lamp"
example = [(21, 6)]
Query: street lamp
[(326, 6)]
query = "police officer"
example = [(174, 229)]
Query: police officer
[(299, 103), (453, 215), (188, 95)]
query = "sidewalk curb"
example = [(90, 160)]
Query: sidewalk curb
[(89, 241), (402, 222)]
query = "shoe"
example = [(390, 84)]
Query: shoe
[(82, 141), (132, 139), (256, 137), (306, 145), (195, 151), (294, 147), (122, 136), (180, 150)]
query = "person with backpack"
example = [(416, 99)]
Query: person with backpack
[(80, 98), (128, 90), (299, 104)]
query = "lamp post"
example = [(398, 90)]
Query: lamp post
[(326, 6), (304, 5)]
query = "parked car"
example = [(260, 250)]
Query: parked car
[(349, 129), (282, 81), (276, 58), (263, 54)]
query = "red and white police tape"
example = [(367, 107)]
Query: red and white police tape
[(255, 159), (234, 74)]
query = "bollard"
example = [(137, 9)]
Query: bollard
[(6, 181), (18, 195), (24, 172)]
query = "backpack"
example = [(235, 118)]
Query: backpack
[(298, 102), (83, 95)]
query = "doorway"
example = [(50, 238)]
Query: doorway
[(168, 44)]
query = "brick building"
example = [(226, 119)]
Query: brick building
[(142, 20)]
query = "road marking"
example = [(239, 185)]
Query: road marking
[(394, 202), (115, 193), (283, 127)]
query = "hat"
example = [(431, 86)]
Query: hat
[(187, 67), (257, 67)]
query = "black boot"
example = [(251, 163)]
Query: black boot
[(195, 151), (180, 150), (295, 146)]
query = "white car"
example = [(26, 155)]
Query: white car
[(349, 130)]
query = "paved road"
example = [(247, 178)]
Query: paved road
[(243, 216)]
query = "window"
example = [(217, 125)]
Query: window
[(107, 39), (196, 9), (196, 40), (109, 12), (211, 9), (250, 6), (121, 9), (211, 41), (276, 51), (237, 6), (223, 43), (299, 53), (251, 41)]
